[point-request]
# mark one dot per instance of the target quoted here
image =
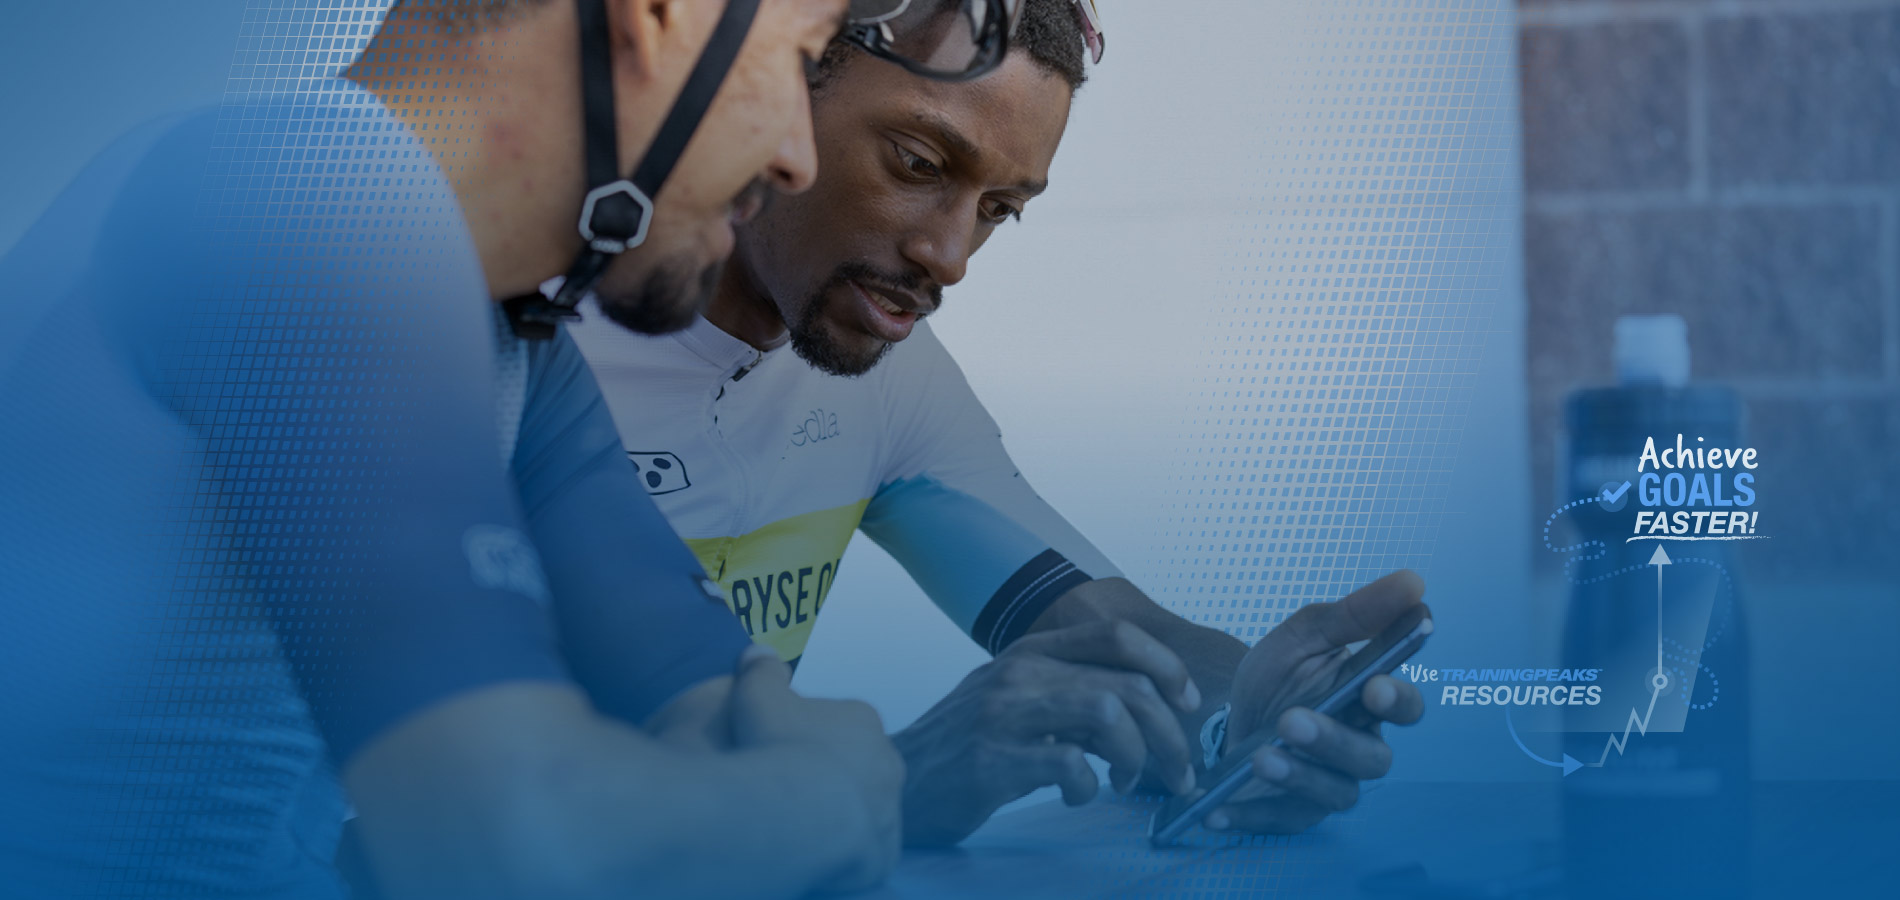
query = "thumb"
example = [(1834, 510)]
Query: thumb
[(760, 690), (1360, 615)]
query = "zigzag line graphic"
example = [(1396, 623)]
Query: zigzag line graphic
[(1640, 724)]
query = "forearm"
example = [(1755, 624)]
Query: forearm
[(696, 719), (929, 809), (557, 802), (668, 825)]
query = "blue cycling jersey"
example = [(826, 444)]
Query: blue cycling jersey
[(256, 511)]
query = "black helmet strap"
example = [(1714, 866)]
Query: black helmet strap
[(617, 211)]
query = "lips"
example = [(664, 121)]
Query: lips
[(881, 313)]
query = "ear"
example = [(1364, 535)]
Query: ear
[(643, 32)]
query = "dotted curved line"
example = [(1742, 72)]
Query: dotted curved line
[(1728, 584), (1600, 548), (1688, 697), (1609, 575), (1681, 654)]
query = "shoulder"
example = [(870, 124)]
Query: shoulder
[(619, 354), (124, 213), (565, 427), (154, 164), (915, 363), (562, 394), (558, 363), (923, 347)]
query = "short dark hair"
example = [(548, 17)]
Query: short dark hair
[(1045, 29), (1052, 34)]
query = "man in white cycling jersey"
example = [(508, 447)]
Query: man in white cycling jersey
[(810, 401)]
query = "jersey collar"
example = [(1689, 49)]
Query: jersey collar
[(725, 352)]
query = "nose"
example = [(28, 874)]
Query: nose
[(939, 243), (794, 167)]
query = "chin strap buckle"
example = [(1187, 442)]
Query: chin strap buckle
[(614, 219), (605, 216), (537, 315)]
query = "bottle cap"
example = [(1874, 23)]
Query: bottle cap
[(1652, 350)]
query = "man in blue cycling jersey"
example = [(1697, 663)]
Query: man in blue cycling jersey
[(287, 497), (811, 400)]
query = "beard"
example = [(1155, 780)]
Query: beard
[(666, 300), (813, 338), (676, 292)]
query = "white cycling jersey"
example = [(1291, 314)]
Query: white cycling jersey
[(766, 465)]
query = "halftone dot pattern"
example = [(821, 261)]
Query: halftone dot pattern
[(1338, 383), (1338, 376), (511, 384), (295, 366)]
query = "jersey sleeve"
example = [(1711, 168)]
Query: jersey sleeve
[(331, 367), (954, 510), (639, 620)]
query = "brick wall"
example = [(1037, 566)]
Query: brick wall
[(1736, 162)]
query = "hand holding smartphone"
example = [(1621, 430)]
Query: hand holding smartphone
[(1380, 656)]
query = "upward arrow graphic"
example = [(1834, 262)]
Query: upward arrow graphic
[(1657, 682), (1659, 559)]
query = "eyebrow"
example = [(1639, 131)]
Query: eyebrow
[(963, 146)]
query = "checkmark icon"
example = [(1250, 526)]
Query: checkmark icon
[(1611, 496)]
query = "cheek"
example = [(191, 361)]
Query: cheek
[(684, 245), (891, 210), (774, 260), (754, 121), (773, 107), (751, 117), (855, 188), (856, 211), (804, 232)]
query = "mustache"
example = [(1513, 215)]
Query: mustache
[(870, 275)]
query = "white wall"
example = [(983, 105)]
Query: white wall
[(1089, 328)]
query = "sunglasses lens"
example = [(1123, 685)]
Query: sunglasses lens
[(946, 38), (1091, 29), (951, 38)]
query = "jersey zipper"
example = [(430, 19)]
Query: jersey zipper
[(742, 508)]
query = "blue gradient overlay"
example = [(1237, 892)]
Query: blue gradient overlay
[(1342, 395)]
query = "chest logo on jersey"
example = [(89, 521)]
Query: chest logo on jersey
[(661, 472), (818, 426), (501, 558)]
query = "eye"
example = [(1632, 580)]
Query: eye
[(996, 212), (915, 165)]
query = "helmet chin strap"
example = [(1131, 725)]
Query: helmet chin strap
[(617, 212)]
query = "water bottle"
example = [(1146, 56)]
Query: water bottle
[(1660, 805)]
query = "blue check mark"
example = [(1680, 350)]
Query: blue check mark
[(1610, 496)]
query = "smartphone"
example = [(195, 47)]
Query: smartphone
[(1380, 656)]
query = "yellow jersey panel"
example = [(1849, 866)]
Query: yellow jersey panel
[(776, 578)]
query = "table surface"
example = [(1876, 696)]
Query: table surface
[(1424, 840)]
